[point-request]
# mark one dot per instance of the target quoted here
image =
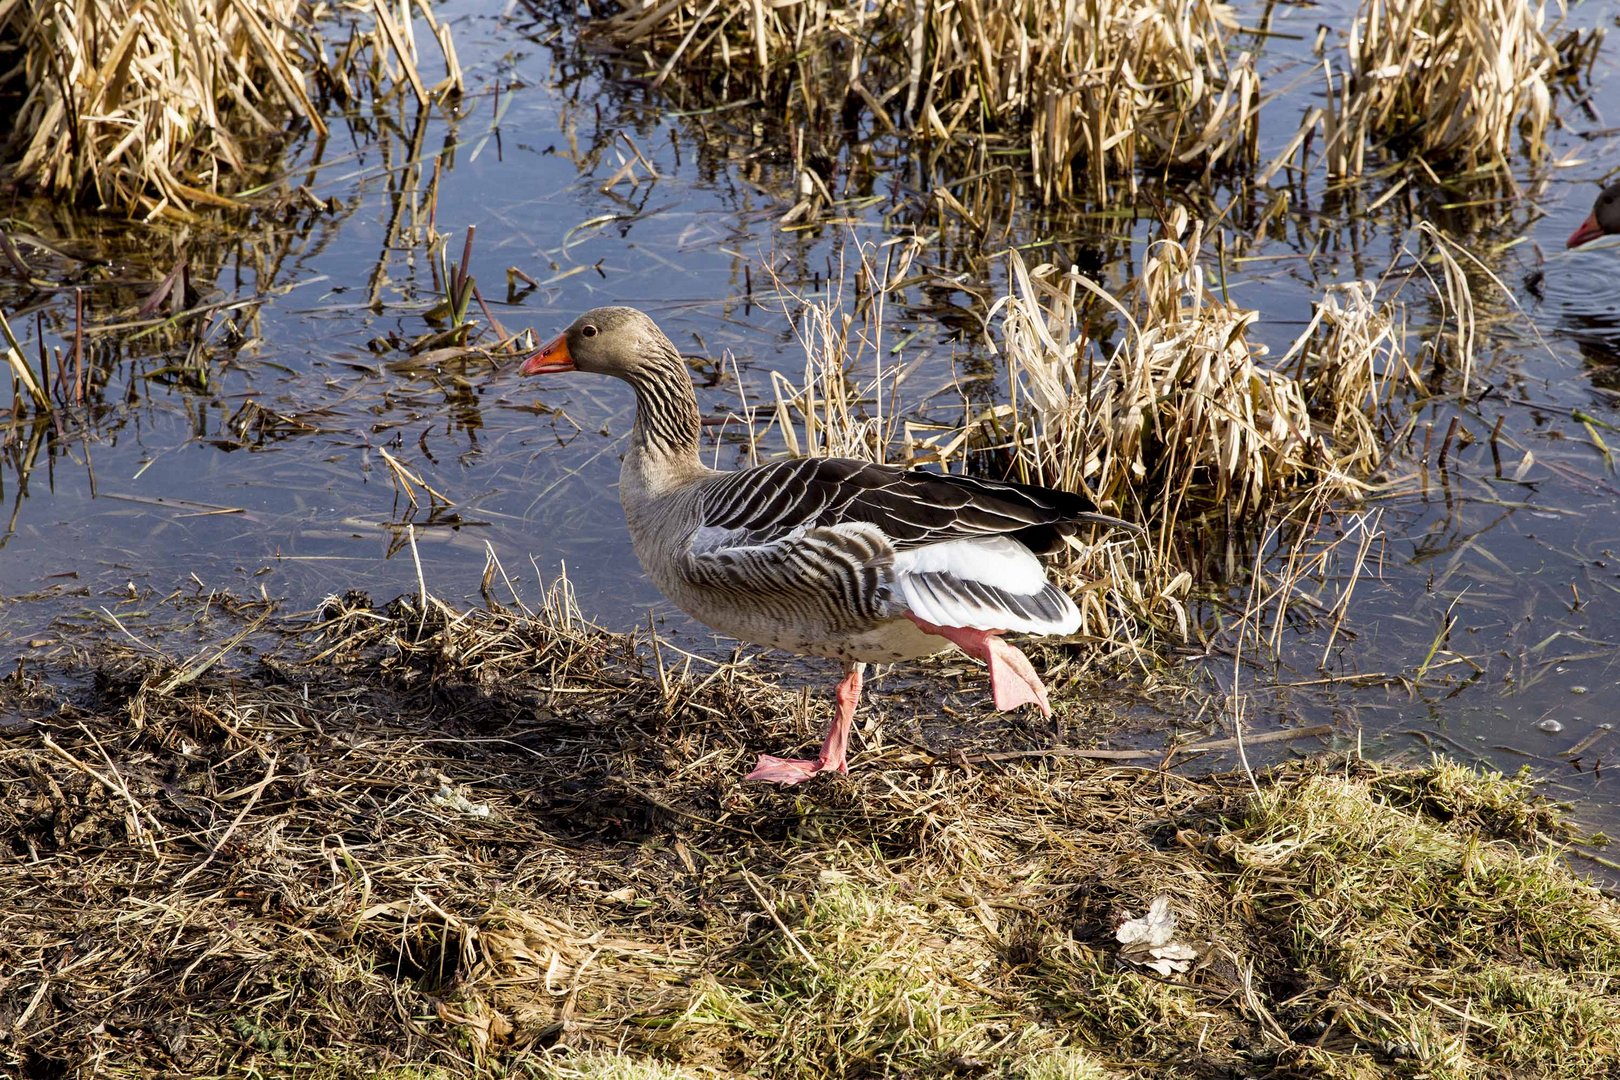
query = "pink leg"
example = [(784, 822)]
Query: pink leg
[(1013, 681), (833, 749)]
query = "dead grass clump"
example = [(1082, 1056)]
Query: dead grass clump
[(1184, 417), (1087, 83), (143, 108), (1060, 1063), (1185, 414), (527, 976), (157, 110), (1449, 82)]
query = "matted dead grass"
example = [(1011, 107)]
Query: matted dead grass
[(414, 841)]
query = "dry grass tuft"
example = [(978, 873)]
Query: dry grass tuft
[(610, 1066), (855, 397), (1082, 97), (1092, 88), (146, 107), (1449, 82), (481, 843), (1184, 417), (1184, 414), (159, 110)]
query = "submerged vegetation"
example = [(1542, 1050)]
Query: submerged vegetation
[(501, 843)]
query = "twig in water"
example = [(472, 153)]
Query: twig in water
[(1213, 746)]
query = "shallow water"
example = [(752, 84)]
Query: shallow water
[(271, 475)]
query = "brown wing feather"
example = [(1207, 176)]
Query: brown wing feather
[(910, 506)]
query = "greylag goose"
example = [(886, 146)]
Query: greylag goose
[(830, 557), (1604, 220)]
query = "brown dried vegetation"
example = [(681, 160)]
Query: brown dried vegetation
[(162, 110), (422, 842)]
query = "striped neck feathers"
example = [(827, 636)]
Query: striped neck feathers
[(666, 408)]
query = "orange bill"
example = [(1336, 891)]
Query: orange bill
[(1589, 230), (553, 356)]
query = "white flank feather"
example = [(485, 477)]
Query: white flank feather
[(998, 561), (709, 539), (938, 585)]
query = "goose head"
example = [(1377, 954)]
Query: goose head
[(1604, 220), (617, 341)]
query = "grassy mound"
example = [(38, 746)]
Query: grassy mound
[(419, 842)]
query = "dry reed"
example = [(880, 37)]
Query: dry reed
[(1184, 421), (861, 396), (143, 108), (848, 400), (1081, 95), (1185, 417), (1449, 82)]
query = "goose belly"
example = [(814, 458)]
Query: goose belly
[(879, 641)]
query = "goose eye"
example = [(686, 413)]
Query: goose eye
[(587, 331)]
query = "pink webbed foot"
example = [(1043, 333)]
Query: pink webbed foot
[(1013, 681), (833, 749), (792, 770)]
